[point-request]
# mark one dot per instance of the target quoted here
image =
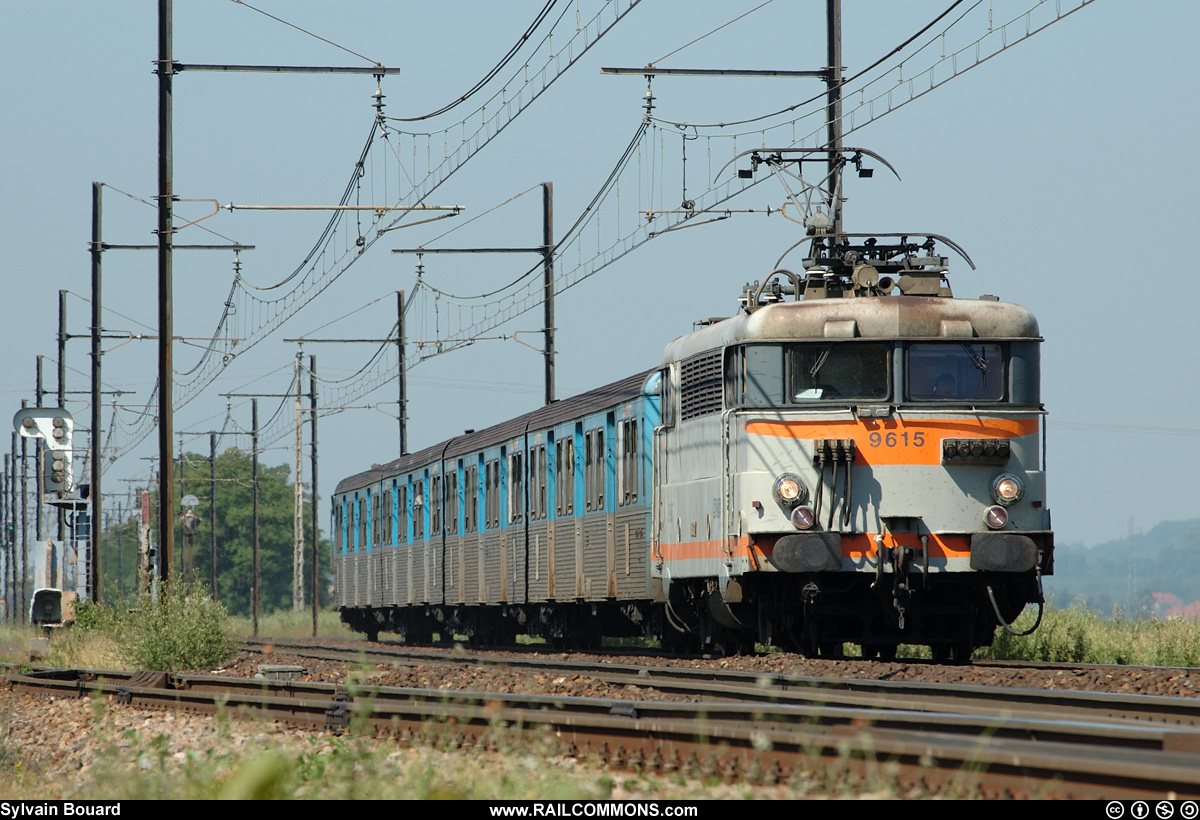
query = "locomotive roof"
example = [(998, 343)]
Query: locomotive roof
[(881, 317), (600, 398)]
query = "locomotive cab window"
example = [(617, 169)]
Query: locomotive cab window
[(760, 376), (955, 371), (823, 372)]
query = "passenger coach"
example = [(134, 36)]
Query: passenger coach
[(506, 529)]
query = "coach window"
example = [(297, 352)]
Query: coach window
[(564, 483), (435, 504), (535, 487), (402, 514), (419, 511), (389, 515), (452, 500), (627, 474), (537, 482), (491, 496), (593, 476), (559, 476), (339, 536), (955, 371), (516, 491), (375, 540), (360, 525), (471, 499), (839, 371)]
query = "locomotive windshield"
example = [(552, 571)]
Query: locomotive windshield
[(839, 371), (802, 373), (955, 371), (810, 373)]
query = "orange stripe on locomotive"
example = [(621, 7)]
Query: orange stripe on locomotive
[(912, 441)]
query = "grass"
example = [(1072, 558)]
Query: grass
[(286, 623), (1079, 635)]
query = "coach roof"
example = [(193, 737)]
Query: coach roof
[(551, 415)]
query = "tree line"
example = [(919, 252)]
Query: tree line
[(233, 521)]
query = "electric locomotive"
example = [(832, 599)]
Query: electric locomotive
[(855, 457), (862, 462)]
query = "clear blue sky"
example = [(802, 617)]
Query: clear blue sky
[(1062, 166)]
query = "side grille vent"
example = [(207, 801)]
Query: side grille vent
[(701, 389)]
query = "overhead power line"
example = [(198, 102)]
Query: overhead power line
[(250, 316)]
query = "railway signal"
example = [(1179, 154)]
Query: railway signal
[(56, 427)]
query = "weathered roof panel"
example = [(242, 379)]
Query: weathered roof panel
[(883, 317), (601, 398)]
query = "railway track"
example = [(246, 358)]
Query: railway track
[(909, 735), (817, 691)]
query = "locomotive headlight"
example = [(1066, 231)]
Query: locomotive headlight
[(1007, 489), (789, 491)]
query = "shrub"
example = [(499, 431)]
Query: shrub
[(180, 628), (91, 617)]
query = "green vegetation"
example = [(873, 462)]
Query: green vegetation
[(1079, 635), (287, 623), (234, 524), (181, 629)]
